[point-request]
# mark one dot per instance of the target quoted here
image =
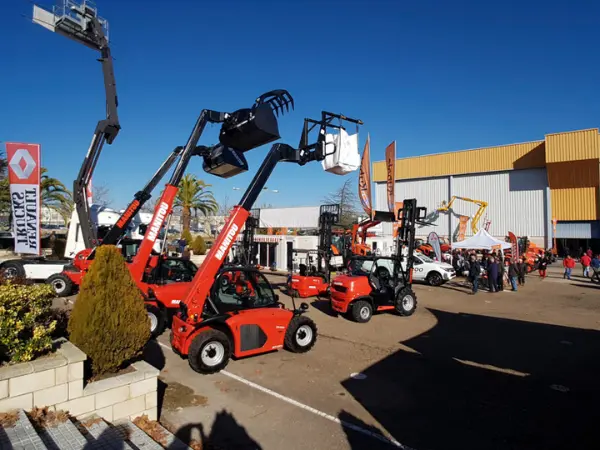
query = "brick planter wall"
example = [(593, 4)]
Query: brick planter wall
[(57, 381)]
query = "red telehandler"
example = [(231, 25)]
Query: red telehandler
[(381, 283), (314, 280), (245, 129), (215, 320)]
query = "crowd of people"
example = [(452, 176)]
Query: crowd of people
[(493, 270), (590, 264)]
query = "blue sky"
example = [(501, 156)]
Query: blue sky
[(435, 76)]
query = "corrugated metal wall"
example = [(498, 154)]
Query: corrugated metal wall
[(577, 230), (429, 193), (491, 159), (572, 146), (516, 201), (574, 189)]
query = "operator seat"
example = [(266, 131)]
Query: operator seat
[(303, 270)]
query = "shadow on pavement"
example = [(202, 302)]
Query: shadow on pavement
[(322, 304), (590, 286), (358, 440), (226, 433), (486, 383)]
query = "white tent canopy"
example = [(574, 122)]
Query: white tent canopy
[(481, 241)]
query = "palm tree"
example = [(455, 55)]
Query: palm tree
[(195, 196), (54, 195)]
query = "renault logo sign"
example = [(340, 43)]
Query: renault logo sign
[(22, 164)]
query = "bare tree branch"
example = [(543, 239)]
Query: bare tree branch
[(346, 197), (101, 195)]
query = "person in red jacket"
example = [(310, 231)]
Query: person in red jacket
[(585, 262), (569, 265)]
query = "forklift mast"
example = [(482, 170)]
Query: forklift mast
[(252, 223), (80, 22), (409, 216), (192, 307), (329, 215), (241, 131)]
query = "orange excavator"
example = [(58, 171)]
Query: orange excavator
[(360, 232)]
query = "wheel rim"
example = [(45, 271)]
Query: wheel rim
[(436, 279), (10, 272), (153, 322), (364, 312), (408, 302), (212, 354), (304, 335), (59, 286)]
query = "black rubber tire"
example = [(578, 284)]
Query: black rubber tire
[(435, 279), (359, 306), (399, 304), (14, 268), (160, 320), (291, 342), (62, 284), (198, 345)]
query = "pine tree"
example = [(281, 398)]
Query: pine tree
[(109, 321)]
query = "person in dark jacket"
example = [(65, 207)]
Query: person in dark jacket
[(474, 273), (501, 272), (492, 273), (542, 266), (522, 271), (513, 273)]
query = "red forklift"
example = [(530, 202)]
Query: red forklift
[(215, 322), (313, 280), (381, 283)]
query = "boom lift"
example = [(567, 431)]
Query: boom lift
[(79, 22), (313, 280), (212, 324), (381, 283), (475, 219)]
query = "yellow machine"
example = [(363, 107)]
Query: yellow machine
[(475, 219)]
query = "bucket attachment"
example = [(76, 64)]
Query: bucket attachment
[(249, 128), (225, 162)]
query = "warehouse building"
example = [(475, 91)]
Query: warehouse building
[(525, 185)]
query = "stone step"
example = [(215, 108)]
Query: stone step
[(91, 433), (22, 436), (143, 441), (101, 435), (64, 436)]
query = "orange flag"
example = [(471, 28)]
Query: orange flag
[(364, 179)]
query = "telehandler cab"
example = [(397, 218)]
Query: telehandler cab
[(216, 321), (381, 283), (314, 280)]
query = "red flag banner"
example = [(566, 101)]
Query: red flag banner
[(398, 222), (390, 163), (462, 227), (515, 247), (24, 178), (364, 179)]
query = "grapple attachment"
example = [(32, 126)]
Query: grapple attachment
[(249, 128)]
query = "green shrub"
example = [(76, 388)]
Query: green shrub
[(187, 235), (26, 325), (198, 246), (109, 321)]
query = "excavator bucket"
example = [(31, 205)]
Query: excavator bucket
[(225, 162), (249, 128)]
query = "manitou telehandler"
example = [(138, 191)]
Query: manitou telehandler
[(215, 322), (381, 283), (359, 246), (165, 281), (314, 280)]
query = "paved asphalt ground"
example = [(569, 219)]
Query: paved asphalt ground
[(490, 371)]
